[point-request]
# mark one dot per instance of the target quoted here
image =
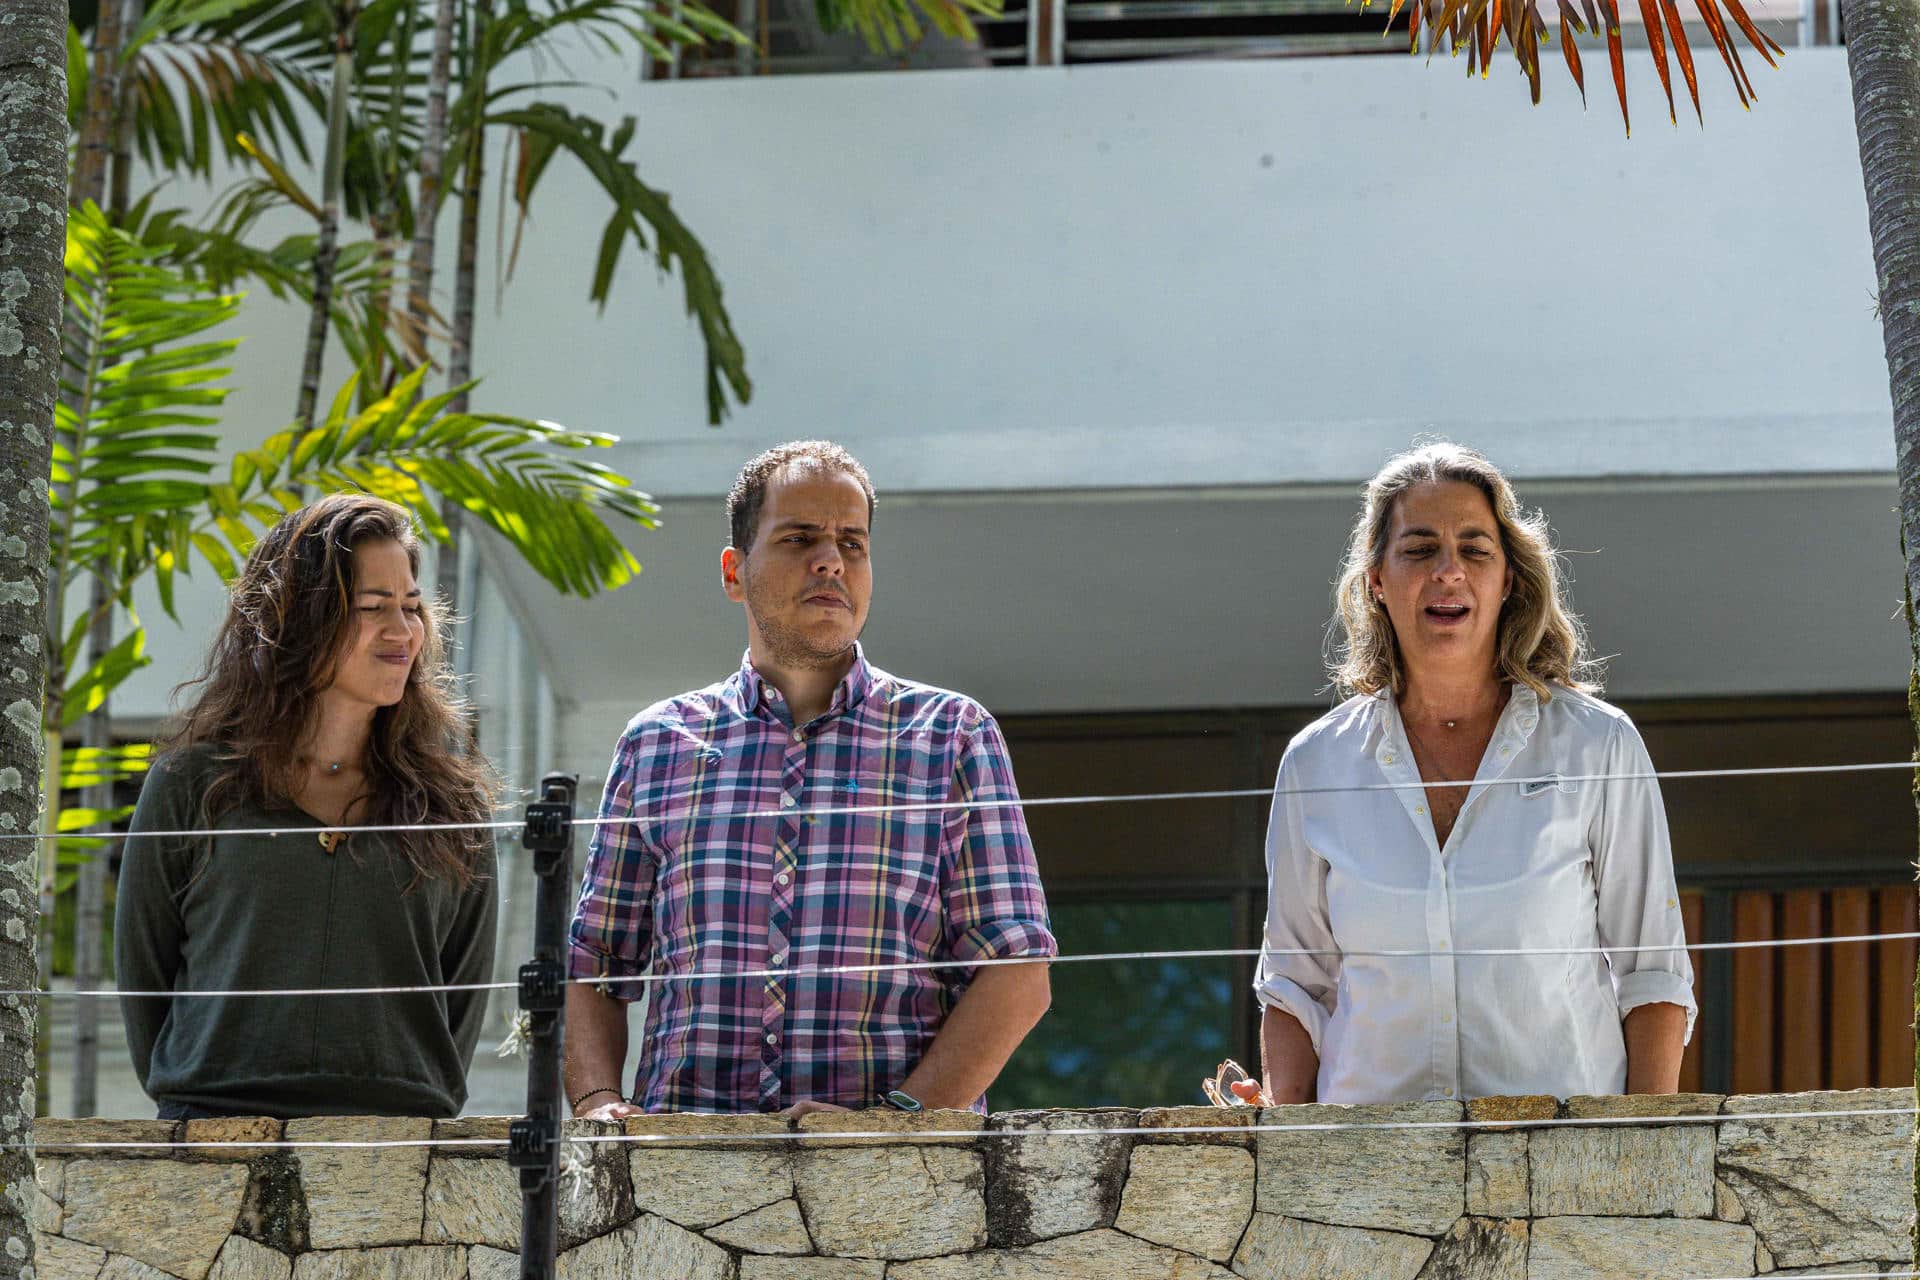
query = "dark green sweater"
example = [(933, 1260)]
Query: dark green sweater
[(254, 912)]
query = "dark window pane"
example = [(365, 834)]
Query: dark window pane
[(1129, 1032)]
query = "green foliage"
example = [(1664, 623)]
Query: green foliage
[(893, 24), (513, 474), (638, 210)]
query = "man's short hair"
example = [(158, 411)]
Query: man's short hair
[(749, 492)]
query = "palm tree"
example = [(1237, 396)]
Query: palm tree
[(1883, 62), (33, 119)]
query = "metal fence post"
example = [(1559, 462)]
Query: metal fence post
[(533, 1142)]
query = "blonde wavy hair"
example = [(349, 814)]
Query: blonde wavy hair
[(1541, 641)]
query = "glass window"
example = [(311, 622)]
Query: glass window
[(1134, 1033)]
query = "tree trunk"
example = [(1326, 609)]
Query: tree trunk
[(328, 246), (460, 348), (1883, 58), (103, 99), (33, 159), (90, 890), (120, 183), (433, 145)]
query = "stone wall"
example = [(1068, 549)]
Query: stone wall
[(1737, 1197)]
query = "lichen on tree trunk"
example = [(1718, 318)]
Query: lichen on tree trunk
[(1883, 59), (33, 207)]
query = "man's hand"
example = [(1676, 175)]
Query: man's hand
[(618, 1109), (808, 1107)]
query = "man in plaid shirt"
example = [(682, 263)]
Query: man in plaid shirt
[(736, 895)]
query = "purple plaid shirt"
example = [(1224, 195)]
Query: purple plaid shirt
[(695, 885)]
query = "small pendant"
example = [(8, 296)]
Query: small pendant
[(1450, 724), (333, 768)]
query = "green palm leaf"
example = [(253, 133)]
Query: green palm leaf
[(639, 211), (516, 475)]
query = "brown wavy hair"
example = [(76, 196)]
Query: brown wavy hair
[(289, 618), (1541, 641)]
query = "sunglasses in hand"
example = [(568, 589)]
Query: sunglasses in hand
[(1231, 1086)]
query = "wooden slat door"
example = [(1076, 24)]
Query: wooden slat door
[(1893, 977)]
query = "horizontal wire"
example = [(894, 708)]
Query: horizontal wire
[(956, 806), (1827, 1275), (948, 1135), (1219, 953)]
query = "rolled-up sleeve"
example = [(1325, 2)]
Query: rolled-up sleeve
[(1639, 905), (990, 881), (1302, 985), (612, 931)]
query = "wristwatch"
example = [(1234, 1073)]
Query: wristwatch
[(901, 1100)]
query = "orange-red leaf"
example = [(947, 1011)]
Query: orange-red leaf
[(1684, 52), (1530, 37), (1571, 52), (1657, 47), (1752, 32), (1493, 26), (1483, 36), (1717, 28), (1617, 59)]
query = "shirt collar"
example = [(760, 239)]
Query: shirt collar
[(759, 694), (1522, 713)]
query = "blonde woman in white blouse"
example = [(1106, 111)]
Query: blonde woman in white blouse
[(1466, 668)]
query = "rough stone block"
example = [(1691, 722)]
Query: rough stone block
[(412, 1262), (1410, 1180), (1726, 1203), (754, 1268), (1664, 1172), (908, 1201), (1039, 1187), (358, 1197), (651, 1247), (1848, 1269), (692, 1129), (1197, 1199), (484, 1263), (1618, 1106), (230, 1129), (1638, 1249), (69, 1136), (171, 1215), (473, 1202), (1827, 1190), (1480, 1249), (275, 1210), (50, 1174), (57, 1258), (47, 1213), (1278, 1248), (1224, 1125), (1091, 1255), (474, 1129), (120, 1267), (1517, 1108), (244, 1259), (778, 1228), (826, 1127), (1497, 1175), (700, 1186), (596, 1193)]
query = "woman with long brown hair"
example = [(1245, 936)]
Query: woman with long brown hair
[(1472, 795), (324, 706)]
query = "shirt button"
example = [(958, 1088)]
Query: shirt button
[(1445, 1019), (1447, 1092), (799, 735), (782, 878), (1419, 808), (1506, 751), (1388, 758), (773, 1037), (778, 959), (1439, 946), (787, 802)]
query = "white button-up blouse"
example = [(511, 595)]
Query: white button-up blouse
[(1533, 862)]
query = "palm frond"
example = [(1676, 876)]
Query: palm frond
[(544, 130), (135, 433), (516, 475)]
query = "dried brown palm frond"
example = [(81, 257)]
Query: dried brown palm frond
[(1476, 28)]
